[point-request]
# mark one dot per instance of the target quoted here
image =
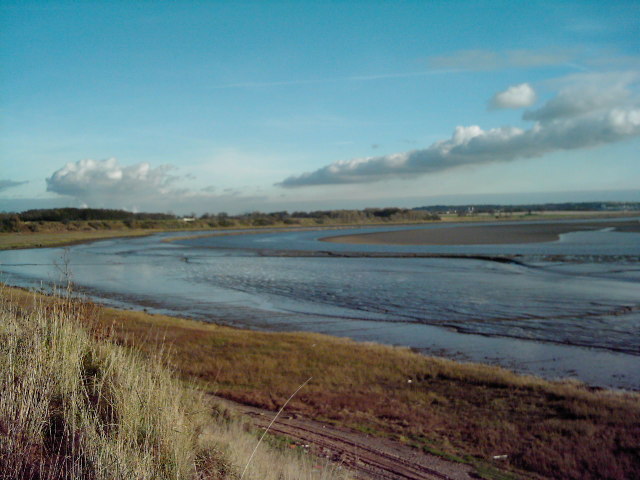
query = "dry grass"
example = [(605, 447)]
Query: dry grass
[(10, 241), (75, 406), (467, 411), (558, 430), (72, 408)]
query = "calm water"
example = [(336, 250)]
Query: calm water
[(579, 317)]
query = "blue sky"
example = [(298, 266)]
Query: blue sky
[(234, 106)]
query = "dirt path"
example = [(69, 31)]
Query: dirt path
[(367, 456)]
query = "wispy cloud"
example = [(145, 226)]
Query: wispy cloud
[(536, 58), (578, 117), (352, 78), (492, 60), (309, 121), (6, 184), (384, 76), (614, 61), (583, 93), (468, 60)]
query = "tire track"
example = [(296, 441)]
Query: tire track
[(367, 456), (374, 463)]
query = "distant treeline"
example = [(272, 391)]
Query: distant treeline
[(73, 214), (59, 219), (534, 207), (66, 219), (319, 217)]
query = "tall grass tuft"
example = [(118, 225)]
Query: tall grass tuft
[(74, 407)]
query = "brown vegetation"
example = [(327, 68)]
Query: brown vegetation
[(467, 411), (55, 238)]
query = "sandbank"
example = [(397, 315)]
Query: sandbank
[(482, 234)]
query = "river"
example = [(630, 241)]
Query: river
[(566, 308)]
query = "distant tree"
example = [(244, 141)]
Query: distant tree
[(11, 223)]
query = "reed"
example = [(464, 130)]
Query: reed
[(73, 405)]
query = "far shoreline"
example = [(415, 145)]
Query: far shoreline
[(63, 238)]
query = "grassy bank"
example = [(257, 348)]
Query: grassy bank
[(10, 241), (60, 238), (468, 412), (73, 405)]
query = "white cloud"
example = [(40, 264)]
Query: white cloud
[(579, 117), (586, 93), (141, 187), (93, 181), (516, 96)]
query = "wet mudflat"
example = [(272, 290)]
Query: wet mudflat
[(567, 308), (484, 234)]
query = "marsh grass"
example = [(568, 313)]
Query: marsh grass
[(75, 406), (463, 411), (10, 241)]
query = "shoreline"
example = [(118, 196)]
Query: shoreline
[(562, 360), (164, 318), (29, 240), (427, 336), (51, 239), (25, 241)]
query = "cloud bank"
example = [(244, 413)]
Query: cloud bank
[(6, 184), (578, 117), (107, 184), (517, 96), (593, 92), (100, 181)]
